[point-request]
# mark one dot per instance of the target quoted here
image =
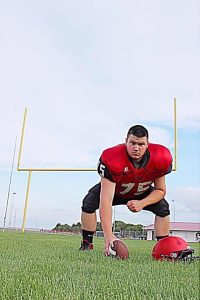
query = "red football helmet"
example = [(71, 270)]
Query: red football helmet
[(172, 248)]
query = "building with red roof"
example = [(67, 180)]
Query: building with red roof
[(186, 230)]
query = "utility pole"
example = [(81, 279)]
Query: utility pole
[(13, 194), (114, 219), (174, 210), (15, 216), (9, 186)]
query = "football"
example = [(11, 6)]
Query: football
[(119, 250)]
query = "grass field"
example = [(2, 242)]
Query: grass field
[(39, 266)]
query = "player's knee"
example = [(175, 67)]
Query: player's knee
[(89, 206), (88, 209), (163, 210), (163, 214), (91, 201)]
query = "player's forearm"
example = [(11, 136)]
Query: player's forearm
[(105, 211), (154, 197)]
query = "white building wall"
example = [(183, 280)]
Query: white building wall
[(188, 236), (149, 235)]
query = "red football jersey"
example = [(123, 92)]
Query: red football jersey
[(115, 164)]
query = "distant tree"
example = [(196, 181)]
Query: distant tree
[(76, 227), (62, 227), (120, 226)]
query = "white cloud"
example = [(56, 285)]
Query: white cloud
[(186, 202)]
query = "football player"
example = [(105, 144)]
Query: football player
[(132, 174)]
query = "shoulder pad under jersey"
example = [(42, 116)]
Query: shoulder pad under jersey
[(160, 157), (115, 158)]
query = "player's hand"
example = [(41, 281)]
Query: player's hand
[(135, 205), (108, 240)]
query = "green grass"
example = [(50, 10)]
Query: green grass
[(50, 267)]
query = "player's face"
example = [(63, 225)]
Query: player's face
[(136, 146)]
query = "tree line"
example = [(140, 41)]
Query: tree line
[(118, 227)]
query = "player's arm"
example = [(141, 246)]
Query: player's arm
[(105, 207), (105, 211), (155, 196)]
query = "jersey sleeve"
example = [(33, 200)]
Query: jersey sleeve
[(165, 162), (160, 163), (103, 170)]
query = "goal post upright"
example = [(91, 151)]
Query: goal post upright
[(30, 170), (42, 169), (22, 139), (26, 201)]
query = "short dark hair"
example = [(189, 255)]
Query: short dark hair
[(139, 131)]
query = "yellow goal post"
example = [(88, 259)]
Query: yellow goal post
[(30, 169)]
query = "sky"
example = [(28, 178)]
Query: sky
[(87, 71)]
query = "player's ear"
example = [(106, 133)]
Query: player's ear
[(126, 140)]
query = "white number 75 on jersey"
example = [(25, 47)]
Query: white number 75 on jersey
[(142, 186)]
